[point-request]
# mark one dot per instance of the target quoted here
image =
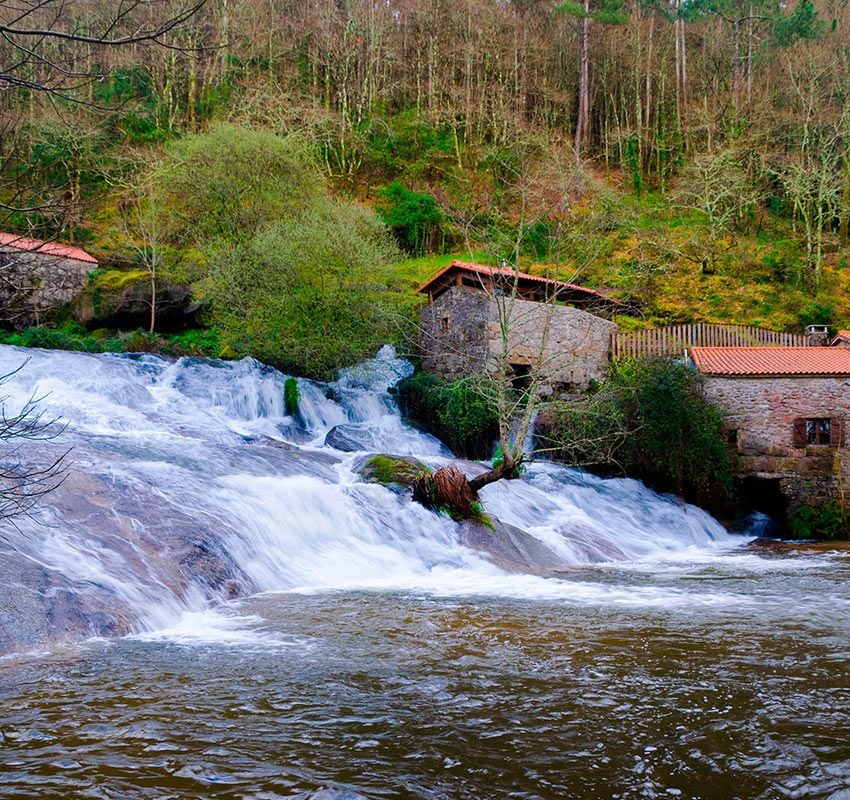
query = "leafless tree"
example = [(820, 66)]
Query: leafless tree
[(24, 481), (53, 53)]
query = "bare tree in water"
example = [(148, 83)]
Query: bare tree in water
[(524, 332), (25, 480)]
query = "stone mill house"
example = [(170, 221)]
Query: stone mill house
[(787, 410), (461, 332), (785, 397), (37, 277)]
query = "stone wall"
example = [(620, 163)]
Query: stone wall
[(461, 334), (760, 414), (454, 333), (33, 284), (576, 345)]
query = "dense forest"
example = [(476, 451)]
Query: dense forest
[(693, 157)]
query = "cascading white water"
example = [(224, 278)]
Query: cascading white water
[(190, 484)]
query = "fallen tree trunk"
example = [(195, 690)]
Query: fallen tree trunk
[(450, 490)]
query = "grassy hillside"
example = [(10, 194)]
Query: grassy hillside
[(310, 274)]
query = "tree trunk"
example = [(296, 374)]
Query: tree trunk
[(584, 80), (449, 489)]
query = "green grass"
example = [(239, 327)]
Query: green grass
[(413, 272)]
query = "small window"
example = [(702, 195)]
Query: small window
[(817, 431), (444, 323), (732, 437)]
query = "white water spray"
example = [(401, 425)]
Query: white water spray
[(191, 485)]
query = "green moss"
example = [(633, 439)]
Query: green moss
[(291, 396), (116, 280), (480, 516), (393, 469)]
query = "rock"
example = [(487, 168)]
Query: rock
[(122, 299), (400, 471), (510, 548), (40, 607), (345, 438)]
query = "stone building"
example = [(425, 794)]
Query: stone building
[(787, 411), (37, 277), (558, 327)]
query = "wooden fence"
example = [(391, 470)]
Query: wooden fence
[(675, 339)]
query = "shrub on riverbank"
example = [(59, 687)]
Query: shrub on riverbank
[(828, 522), (289, 275), (454, 412), (650, 421)]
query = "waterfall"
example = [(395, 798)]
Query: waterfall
[(190, 486)]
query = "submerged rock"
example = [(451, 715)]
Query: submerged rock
[(346, 439), (510, 548)]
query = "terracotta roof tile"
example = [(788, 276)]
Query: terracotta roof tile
[(48, 248), (771, 360), (482, 269)]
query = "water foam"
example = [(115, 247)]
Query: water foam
[(190, 480)]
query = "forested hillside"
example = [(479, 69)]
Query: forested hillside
[(692, 157)]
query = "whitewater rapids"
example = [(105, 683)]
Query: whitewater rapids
[(190, 486)]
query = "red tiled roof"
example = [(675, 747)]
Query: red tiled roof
[(843, 335), (48, 248), (485, 271), (771, 360)]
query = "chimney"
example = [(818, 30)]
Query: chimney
[(818, 335)]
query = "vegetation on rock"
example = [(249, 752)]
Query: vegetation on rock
[(387, 469), (291, 396), (453, 411)]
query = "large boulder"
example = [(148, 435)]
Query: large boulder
[(510, 548), (122, 299)]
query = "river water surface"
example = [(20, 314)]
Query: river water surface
[(369, 653)]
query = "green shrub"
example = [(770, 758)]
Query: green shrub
[(414, 218), (650, 421), (456, 412), (827, 522)]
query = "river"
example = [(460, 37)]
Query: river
[(215, 605)]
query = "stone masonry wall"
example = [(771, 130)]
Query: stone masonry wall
[(461, 334), (32, 284), (761, 411), (577, 344), (454, 333)]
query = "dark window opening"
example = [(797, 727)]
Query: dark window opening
[(818, 431), (444, 324), (521, 379), (732, 437)]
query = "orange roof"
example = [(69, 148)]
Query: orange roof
[(48, 248), (485, 271), (771, 360), (843, 335)]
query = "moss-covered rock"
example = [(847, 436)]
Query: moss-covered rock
[(391, 470), (121, 298)]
